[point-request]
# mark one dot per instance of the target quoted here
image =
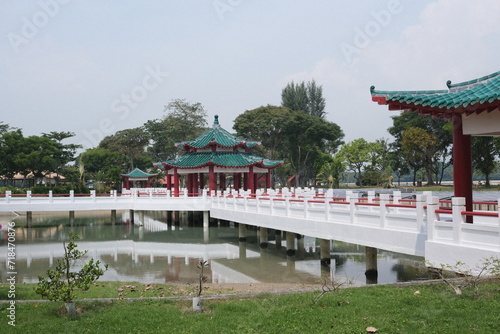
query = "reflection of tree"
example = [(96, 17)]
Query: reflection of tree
[(405, 272)]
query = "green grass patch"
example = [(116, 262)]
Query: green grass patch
[(390, 309)]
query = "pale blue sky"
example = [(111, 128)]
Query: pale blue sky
[(96, 67)]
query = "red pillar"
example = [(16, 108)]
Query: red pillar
[(251, 184), (127, 184), (462, 163), (212, 181), (169, 181), (222, 181), (195, 184), (268, 179), (148, 183), (176, 183), (189, 185), (202, 181), (237, 181)]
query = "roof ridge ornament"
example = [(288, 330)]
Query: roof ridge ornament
[(216, 122)]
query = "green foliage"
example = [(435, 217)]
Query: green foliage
[(64, 189), (183, 121), (61, 283), (304, 97), (484, 152), (129, 142)]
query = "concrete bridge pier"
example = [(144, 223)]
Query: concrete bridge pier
[(300, 247), (29, 218), (206, 219), (277, 238), (264, 239), (113, 217), (242, 232), (141, 218), (71, 218), (324, 252), (371, 272), (169, 218), (290, 244)]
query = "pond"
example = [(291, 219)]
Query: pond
[(158, 252)]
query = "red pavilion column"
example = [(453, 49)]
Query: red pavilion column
[(222, 181), (169, 181), (195, 184), (237, 181), (202, 181), (189, 185), (250, 180), (462, 163), (212, 181), (268, 179), (176, 183)]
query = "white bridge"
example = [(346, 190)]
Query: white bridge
[(418, 227)]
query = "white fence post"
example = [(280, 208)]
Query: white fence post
[(72, 196), (92, 195), (371, 196), (352, 198), (28, 196), (51, 199), (384, 200), (8, 194), (458, 205), (420, 203), (396, 197), (432, 206), (327, 209)]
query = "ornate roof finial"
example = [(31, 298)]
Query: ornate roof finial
[(216, 121)]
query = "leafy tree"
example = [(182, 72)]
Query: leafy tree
[(306, 138), (304, 97), (61, 283), (438, 128), (11, 143), (109, 164), (420, 149), (267, 124), (130, 142), (484, 152), (64, 153), (183, 121), (331, 172), (356, 154)]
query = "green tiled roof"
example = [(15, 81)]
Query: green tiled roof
[(138, 173), (221, 159), (220, 137), (482, 94)]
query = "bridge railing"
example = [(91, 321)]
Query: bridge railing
[(383, 212), (453, 229)]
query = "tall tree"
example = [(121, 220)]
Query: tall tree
[(267, 124), (307, 137), (184, 120), (420, 149), (484, 152), (438, 128), (129, 142), (356, 154), (304, 97)]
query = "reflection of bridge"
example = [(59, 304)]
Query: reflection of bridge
[(416, 227)]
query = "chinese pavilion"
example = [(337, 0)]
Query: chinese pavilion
[(217, 153), (472, 106), (137, 178)]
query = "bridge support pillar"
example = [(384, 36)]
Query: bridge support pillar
[(29, 218), (72, 218), (132, 220), (277, 238), (263, 237), (243, 250), (113, 217), (141, 218), (371, 272), (169, 218), (290, 244), (206, 219), (242, 232), (324, 252), (176, 217)]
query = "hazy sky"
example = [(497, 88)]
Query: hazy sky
[(96, 67)]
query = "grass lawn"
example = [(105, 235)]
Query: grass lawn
[(390, 309)]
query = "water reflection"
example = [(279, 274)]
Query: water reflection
[(161, 252)]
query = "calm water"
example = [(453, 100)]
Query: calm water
[(159, 253)]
